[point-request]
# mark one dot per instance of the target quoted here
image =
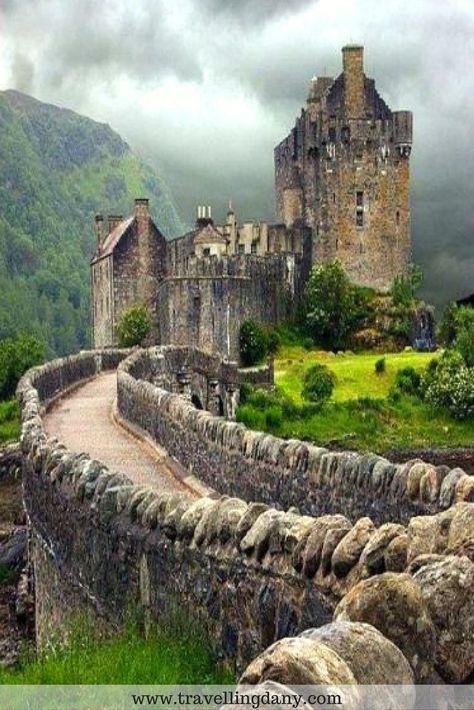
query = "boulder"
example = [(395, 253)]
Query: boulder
[(461, 531), (447, 586), (311, 556), (395, 555), (299, 661), (394, 604), (347, 553), (372, 556)]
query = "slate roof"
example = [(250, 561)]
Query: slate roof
[(115, 236), (209, 235)]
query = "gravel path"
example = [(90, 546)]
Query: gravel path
[(83, 422)]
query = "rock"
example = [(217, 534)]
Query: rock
[(461, 531), (13, 549), (464, 490), (395, 555), (430, 485), (260, 694), (372, 556), (257, 539), (447, 586), (415, 474), (372, 658), (254, 510), (311, 556), (394, 604), (448, 486), (347, 553), (229, 516), (299, 661), (191, 517), (332, 539), (428, 533)]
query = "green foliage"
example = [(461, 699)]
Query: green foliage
[(334, 306), (450, 385), (380, 366), (408, 381), (318, 385), (253, 343), (464, 339), (404, 287), (17, 356), (446, 332), (9, 421), (168, 655), (57, 169), (134, 326)]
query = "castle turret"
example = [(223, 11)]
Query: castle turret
[(353, 71)]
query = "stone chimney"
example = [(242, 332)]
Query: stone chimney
[(99, 230), (204, 216), (114, 220), (142, 208), (353, 67)]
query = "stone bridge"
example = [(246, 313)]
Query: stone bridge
[(312, 566)]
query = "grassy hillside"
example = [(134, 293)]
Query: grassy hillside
[(57, 169)]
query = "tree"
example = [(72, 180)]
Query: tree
[(405, 287), (464, 340), (134, 326), (334, 306), (253, 343), (16, 357)]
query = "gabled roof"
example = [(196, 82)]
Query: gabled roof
[(115, 236), (209, 235)]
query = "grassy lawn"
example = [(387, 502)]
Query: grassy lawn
[(9, 421), (356, 376), (360, 414), (166, 658)]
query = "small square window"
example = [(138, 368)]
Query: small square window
[(359, 218), (241, 248), (206, 251), (359, 198)]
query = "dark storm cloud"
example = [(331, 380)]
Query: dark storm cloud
[(205, 88)]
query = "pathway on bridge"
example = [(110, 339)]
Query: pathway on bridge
[(83, 421)]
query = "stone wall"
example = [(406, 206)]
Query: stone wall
[(237, 461), (248, 573), (205, 300)]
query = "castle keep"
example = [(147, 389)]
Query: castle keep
[(342, 191), (343, 171)]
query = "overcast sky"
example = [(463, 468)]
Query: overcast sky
[(203, 90)]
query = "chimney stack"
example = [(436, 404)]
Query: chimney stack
[(354, 89), (142, 208), (99, 230), (204, 216), (114, 220)]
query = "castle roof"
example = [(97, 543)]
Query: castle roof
[(209, 235), (115, 236)]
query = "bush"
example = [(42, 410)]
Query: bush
[(450, 385), (446, 331), (273, 341), (16, 357), (380, 366), (318, 384), (273, 417), (245, 392), (334, 306), (408, 380), (253, 343), (134, 326), (405, 287), (464, 340)]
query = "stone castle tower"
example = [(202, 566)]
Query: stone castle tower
[(343, 171)]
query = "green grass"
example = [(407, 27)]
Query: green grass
[(355, 374), (360, 414), (9, 421), (167, 657)]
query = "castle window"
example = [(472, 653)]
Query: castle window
[(333, 198), (332, 135), (345, 134), (359, 198), (398, 216), (241, 248), (359, 218), (253, 248), (359, 208), (206, 251)]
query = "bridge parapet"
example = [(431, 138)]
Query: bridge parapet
[(250, 574)]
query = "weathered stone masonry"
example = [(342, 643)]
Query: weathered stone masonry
[(249, 573), (237, 461)]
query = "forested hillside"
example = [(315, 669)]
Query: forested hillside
[(57, 169)]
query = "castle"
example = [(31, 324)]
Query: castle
[(342, 191)]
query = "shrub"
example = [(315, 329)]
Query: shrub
[(405, 287), (464, 340), (273, 341), (334, 306), (245, 392), (273, 417), (134, 326), (380, 366), (408, 380), (16, 357), (253, 343), (446, 331), (318, 384), (450, 385), (308, 343)]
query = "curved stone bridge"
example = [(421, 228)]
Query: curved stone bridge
[(355, 585)]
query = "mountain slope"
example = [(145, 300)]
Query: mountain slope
[(57, 169)]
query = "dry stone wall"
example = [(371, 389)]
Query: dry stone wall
[(252, 575), (237, 461)]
